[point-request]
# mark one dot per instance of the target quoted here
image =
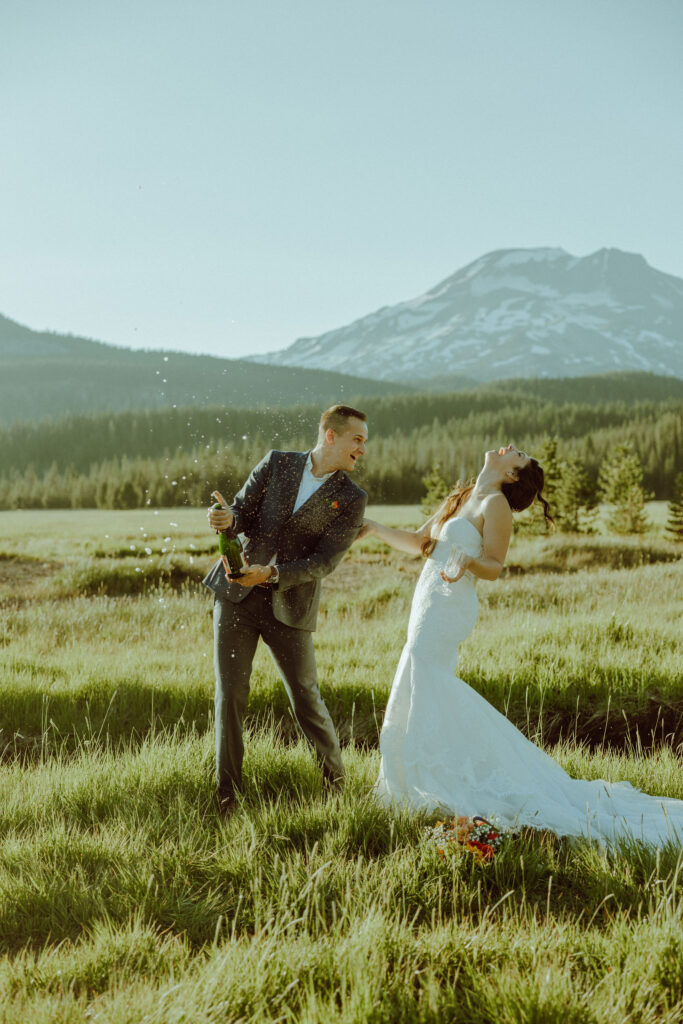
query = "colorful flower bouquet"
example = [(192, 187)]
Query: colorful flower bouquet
[(477, 836)]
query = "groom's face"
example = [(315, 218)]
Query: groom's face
[(347, 446)]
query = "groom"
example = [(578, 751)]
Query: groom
[(299, 512)]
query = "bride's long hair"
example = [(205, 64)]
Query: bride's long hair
[(520, 493)]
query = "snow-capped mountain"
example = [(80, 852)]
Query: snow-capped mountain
[(515, 313)]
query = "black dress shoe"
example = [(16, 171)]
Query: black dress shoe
[(227, 805), (332, 783)]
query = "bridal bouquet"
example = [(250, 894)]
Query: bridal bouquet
[(476, 836)]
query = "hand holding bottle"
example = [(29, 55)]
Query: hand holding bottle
[(230, 548), (220, 517)]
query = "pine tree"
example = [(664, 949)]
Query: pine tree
[(567, 489), (436, 490), (674, 522), (552, 470), (532, 522), (576, 508), (620, 485)]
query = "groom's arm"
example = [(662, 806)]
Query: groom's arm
[(329, 550), (248, 499)]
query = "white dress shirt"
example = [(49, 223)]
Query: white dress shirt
[(307, 488), (309, 484)]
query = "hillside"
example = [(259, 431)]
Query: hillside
[(594, 389), (45, 374)]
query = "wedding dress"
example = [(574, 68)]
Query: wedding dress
[(445, 749)]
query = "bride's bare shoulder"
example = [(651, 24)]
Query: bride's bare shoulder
[(496, 507)]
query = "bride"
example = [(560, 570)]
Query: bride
[(444, 748)]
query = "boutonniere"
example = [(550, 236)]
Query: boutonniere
[(334, 504)]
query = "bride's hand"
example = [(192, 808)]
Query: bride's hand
[(456, 565), (365, 530), (453, 579)]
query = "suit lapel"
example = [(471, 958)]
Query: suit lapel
[(291, 483)]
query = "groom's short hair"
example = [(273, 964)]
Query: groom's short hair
[(336, 418)]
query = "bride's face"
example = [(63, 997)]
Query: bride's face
[(507, 461)]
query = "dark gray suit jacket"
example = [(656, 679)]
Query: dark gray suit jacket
[(309, 543)]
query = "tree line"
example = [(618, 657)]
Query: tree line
[(393, 470), (77, 444), (566, 408), (177, 456)]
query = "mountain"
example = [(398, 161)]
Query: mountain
[(44, 374), (515, 312)]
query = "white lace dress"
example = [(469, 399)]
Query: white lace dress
[(445, 749)]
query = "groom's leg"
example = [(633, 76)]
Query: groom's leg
[(293, 653), (236, 635)]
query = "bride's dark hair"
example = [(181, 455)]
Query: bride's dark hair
[(519, 492)]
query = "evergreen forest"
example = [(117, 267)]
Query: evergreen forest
[(177, 456)]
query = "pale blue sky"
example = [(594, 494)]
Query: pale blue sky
[(224, 177)]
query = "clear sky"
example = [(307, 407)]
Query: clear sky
[(225, 176)]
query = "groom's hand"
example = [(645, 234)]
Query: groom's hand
[(254, 575), (220, 518)]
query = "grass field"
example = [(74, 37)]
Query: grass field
[(123, 897)]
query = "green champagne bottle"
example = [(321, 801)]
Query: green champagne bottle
[(230, 547)]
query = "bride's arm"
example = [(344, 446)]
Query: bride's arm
[(409, 541), (497, 530)]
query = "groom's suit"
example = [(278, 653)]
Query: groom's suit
[(306, 545)]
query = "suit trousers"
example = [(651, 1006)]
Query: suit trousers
[(237, 628)]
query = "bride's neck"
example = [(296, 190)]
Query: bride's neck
[(486, 483)]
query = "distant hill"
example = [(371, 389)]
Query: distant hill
[(522, 312), (594, 390), (49, 376), (45, 374), (629, 386)]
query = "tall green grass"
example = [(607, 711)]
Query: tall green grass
[(122, 892), (124, 897), (580, 655)]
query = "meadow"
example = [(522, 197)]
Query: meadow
[(124, 897)]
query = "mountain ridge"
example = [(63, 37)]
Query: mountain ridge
[(540, 311)]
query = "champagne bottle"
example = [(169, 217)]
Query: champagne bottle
[(229, 547)]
